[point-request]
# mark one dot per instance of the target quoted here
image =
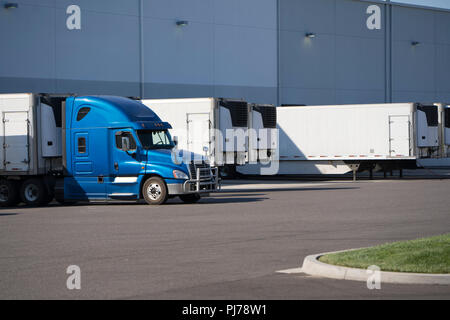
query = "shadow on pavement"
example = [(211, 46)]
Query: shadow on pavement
[(288, 189), (224, 196)]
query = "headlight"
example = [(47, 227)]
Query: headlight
[(180, 175)]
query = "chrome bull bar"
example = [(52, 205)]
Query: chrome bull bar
[(203, 183)]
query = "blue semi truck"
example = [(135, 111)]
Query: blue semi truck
[(93, 148)]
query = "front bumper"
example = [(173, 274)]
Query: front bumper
[(201, 184)]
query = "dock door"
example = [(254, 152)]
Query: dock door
[(399, 136)]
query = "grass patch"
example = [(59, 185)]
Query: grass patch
[(427, 255)]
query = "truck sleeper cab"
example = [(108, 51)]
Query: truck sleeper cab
[(113, 148)]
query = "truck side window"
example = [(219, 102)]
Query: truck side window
[(82, 113), (81, 145), (120, 135)]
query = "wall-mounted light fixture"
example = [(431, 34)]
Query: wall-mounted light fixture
[(11, 5), (182, 23), (310, 35), (415, 43)]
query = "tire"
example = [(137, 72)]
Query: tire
[(190, 198), (154, 191), (9, 193), (33, 192)]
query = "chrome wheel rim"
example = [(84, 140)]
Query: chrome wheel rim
[(31, 192), (4, 193), (154, 191)]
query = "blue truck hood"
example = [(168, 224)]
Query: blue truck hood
[(168, 158), (161, 156)]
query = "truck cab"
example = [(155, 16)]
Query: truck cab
[(117, 148), (112, 148)]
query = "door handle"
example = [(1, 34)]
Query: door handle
[(116, 166)]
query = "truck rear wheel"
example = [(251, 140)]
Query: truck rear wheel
[(33, 192), (9, 193), (190, 198), (154, 191)]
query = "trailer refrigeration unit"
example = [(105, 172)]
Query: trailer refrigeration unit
[(263, 138), (444, 122), (215, 127), (343, 138), (91, 148), (446, 129)]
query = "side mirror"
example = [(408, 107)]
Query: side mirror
[(125, 144), (175, 140)]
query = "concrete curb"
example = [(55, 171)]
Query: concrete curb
[(313, 267)]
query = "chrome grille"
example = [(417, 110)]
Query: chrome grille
[(205, 170)]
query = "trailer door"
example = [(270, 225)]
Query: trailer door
[(399, 136), (198, 132), (16, 141)]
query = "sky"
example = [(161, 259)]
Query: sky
[(430, 3)]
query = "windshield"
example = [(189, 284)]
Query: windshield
[(155, 139)]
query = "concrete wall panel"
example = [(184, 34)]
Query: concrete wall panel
[(307, 63), (413, 96), (351, 19), (442, 27), (410, 24), (245, 56), (253, 13), (360, 63), (359, 96), (106, 48), (229, 48), (308, 15), (413, 67), (119, 7), (299, 96), (443, 68), (27, 35), (178, 55), (192, 10)]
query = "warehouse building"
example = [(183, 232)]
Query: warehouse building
[(269, 51)]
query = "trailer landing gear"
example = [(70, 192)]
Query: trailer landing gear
[(354, 167)]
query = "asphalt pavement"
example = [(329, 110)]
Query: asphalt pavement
[(228, 246)]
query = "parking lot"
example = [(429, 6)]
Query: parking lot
[(228, 246)]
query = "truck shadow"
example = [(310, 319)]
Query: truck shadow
[(236, 191), (225, 196), (219, 200)]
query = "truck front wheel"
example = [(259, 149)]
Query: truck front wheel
[(190, 198), (33, 192), (9, 193), (154, 191)]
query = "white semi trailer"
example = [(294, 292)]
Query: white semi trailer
[(215, 127), (342, 138), (229, 132)]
